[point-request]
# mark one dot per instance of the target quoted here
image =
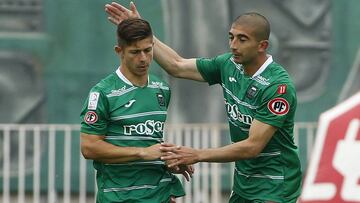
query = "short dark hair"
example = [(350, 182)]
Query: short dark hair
[(131, 30), (257, 21)]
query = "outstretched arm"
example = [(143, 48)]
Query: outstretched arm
[(259, 135), (166, 57)]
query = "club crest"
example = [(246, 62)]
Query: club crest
[(161, 99)]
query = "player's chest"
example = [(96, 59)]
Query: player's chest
[(138, 102), (242, 91)]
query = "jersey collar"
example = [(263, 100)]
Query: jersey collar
[(123, 78), (268, 61)]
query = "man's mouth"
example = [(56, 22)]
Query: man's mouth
[(236, 54)]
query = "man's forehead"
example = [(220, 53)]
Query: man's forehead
[(237, 29), (141, 44)]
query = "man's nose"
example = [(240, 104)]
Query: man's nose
[(142, 56), (233, 44)]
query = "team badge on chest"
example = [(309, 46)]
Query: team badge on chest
[(251, 92), (161, 99)]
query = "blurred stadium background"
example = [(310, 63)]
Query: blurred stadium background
[(53, 51)]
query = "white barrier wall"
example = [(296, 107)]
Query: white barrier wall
[(43, 163)]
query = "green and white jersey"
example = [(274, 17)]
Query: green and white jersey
[(268, 96), (130, 116)]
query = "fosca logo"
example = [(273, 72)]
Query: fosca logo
[(333, 174)]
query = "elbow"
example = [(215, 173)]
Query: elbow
[(176, 70), (176, 74), (253, 152), (86, 151)]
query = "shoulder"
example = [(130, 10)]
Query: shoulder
[(219, 58), (277, 75), (277, 82), (105, 84), (155, 81), (224, 57)]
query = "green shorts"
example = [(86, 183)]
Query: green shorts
[(235, 198)]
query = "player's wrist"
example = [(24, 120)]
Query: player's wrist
[(202, 156), (141, 153)]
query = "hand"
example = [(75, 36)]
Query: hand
[(117, 13), (172, 199), (150, 153), (179, 154), (186, 170)]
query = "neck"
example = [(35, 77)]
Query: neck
[(253, 66), (137, 80)]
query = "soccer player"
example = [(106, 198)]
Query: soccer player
[(260, 101), (123, 122)]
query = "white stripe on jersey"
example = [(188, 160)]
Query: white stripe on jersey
[(136, 187), (270, 154), (133, 138), (116, 93), (259, 175), (157, 87), (138, 115), (237, 99), (139, 163)]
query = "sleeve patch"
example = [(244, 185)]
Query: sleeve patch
[(90, 117), (93, 100), (281, 89), (278, 106)]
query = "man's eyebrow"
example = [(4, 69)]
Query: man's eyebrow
[(138, 49), (239, 35)]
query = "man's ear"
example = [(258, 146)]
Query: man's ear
[(264, 44), (118, 49)]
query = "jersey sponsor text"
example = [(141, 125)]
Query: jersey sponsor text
[(235, 114), (149, 127)]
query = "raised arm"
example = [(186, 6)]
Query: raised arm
[(174, 64), (94, 147), (166, 57)]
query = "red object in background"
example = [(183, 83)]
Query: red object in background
[(333, 174)]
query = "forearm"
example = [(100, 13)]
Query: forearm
[(259, 135), (234, 152), (166, 57), (108, 153)]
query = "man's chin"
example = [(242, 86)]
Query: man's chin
[(238, 61), (142, 72)]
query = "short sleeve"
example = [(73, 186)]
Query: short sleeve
[(210, 68), (94, 115), (278, 103)]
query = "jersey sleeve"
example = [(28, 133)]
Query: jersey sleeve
[(94, 115), (278, 102), (210, 68)]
